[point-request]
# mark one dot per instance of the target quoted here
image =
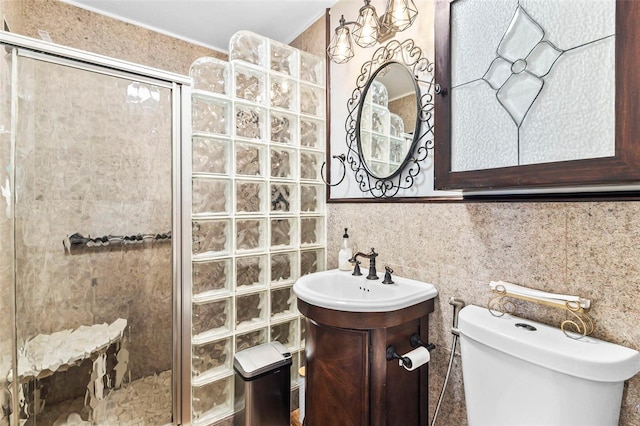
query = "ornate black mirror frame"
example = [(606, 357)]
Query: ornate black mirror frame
[(408, 54)]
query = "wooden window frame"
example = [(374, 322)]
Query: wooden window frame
[(622, 168)]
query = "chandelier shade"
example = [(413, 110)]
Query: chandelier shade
[(367, 26), (340, 49), (402, 13)]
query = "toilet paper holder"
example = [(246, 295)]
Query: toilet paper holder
[(415, 342)]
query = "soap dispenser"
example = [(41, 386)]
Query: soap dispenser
[(345, 253)]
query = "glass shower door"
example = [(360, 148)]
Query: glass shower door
[(6, 240), (93, 244)]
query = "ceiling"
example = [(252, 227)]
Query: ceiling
[(211, 23)]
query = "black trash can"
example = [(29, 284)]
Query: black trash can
[(262, 385)]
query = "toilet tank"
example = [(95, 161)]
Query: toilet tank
[(519, 372)]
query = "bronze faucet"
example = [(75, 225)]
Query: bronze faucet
[(373, 275)]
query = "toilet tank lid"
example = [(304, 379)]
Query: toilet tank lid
[(588, 358)]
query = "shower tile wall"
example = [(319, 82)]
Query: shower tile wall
[(258, 206), (82, 29), (75, 27), (73, 178)]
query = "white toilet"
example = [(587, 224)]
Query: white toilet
[(518, 372)]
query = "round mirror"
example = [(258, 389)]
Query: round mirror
[(388, 120)]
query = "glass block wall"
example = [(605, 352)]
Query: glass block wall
[(382, 136), (258, 210)]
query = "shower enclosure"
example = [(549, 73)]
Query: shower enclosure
[(90, 231), (141, 247)]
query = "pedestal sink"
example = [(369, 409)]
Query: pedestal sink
[(350, 322)]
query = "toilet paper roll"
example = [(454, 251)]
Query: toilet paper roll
[(418, 357)]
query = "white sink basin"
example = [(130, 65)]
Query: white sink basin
[(341, 291)]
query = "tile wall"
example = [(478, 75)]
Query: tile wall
[(585, 248), (81, 29)]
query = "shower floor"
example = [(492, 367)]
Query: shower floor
[(143, 402)]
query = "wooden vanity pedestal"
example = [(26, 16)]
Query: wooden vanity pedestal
[(349, 381)]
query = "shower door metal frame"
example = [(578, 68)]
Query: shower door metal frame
[(180, 86)]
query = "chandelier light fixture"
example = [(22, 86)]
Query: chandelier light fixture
[(369, 28)]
